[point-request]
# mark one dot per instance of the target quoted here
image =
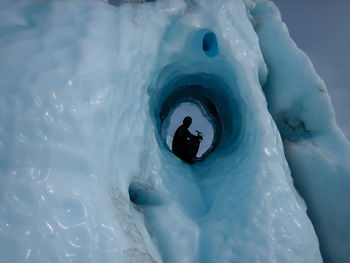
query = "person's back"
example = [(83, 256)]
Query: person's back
[(179, 139), (185, 145)]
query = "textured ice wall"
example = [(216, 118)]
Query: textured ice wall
[(82, 85), (316, 149), (66, 71), (241, 197), (320, 29)]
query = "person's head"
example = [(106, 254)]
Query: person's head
[(187, 121)]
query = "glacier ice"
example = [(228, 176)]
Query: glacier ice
[(87, 175), (320, 29), (314, 145)]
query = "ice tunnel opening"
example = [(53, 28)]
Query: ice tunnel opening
[(201, 121), (219, 104), (191, 100)]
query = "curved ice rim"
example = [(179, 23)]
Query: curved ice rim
[(222, 100)]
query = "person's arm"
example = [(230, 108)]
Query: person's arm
[(190, 135)]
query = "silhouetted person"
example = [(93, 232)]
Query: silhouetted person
[(185, 145)]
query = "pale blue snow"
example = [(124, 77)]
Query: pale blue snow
[(87, 174)]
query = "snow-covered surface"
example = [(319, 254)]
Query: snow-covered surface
[(82, 92)]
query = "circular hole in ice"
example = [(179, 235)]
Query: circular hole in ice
[(199, 122), (210, 45), (212, 95)]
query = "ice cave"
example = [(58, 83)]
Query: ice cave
[(89, 92)]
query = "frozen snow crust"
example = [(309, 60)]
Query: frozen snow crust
[(86, 173)]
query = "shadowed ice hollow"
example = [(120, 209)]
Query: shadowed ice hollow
[(87, 174), (199, 123)]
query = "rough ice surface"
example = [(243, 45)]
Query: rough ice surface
[(87, 175), (317, 151), (320, 29)]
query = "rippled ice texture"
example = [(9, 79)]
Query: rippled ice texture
[(78, 127)]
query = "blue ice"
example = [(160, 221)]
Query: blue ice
[(87, 174)]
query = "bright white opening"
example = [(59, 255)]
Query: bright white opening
[(199, 122)]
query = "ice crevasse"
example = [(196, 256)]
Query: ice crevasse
[(86, 173)]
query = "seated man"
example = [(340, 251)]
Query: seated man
[(185, 145)]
